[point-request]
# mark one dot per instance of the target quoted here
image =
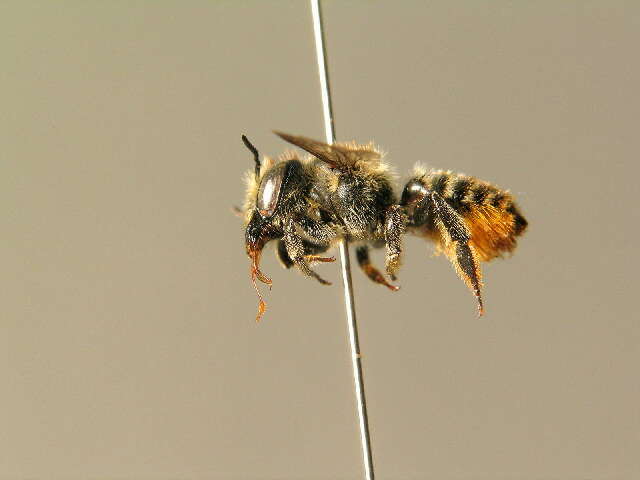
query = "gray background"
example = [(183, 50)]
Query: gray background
[(127, 334)]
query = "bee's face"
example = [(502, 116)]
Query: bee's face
[(275, 197), (275, 194), (260, 229)]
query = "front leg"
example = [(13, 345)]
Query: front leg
[(394, 227), (283, 256), (318, 231), (294, 244), (311, 253)]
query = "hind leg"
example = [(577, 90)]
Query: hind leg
[(455, 237)]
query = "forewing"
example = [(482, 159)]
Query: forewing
[(340, 156)]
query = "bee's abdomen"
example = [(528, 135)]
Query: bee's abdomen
[(463, 193), (490, 213), (460, 191)]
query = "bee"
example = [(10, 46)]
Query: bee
[(343, 190), (469, 220)]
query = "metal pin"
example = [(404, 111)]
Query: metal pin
[(363, 419)]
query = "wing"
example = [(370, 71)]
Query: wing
[(339, 155)]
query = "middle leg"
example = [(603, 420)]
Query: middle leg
[(394, 227), (362, 254)]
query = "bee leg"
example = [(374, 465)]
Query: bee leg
[(456, 238), (295, 247), (322, 233), (311, 251), (362, 254), (283, 256), (394, 227), (319, 259)]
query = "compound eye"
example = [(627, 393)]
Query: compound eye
[(269, 191), (414, 192)]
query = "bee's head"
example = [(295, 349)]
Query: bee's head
[(279, 193), (273, 196)]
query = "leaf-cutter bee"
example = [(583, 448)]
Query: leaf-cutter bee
[(345, 190)]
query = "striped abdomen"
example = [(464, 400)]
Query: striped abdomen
[(490, 213)]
